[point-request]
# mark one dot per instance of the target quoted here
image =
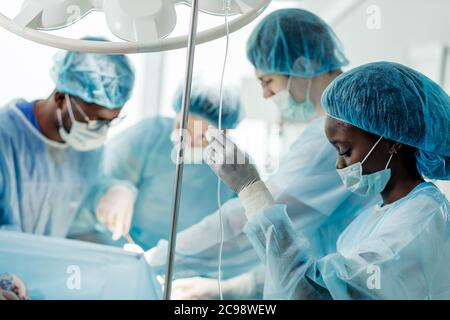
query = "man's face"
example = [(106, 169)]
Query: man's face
[(94, 111), (90, 110)]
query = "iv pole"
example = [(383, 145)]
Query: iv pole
[(180, 154)]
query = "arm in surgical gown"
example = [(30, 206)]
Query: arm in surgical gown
[(317, 203), (398, 251)]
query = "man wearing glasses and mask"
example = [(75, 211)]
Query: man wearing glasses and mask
[(51, 150)]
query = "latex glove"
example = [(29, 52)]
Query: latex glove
[(17, 288), (182, 288), (8, 295), (195, 289), (115, 210), (228, 162), (152, 255), (240, 287)]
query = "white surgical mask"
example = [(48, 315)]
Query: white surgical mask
[(365, 184), (81, 137), (292, 110)]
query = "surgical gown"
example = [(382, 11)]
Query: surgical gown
[(396, 251), (317, 202), (42, 182), (143, 156)]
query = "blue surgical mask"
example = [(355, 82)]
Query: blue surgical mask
[(365, 184), (293, 110)]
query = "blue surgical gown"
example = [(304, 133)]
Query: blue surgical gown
[(317, 202), (27, 109), (143, 155), (396, 251), (42, 182)]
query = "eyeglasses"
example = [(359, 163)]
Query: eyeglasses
[(95, 125)]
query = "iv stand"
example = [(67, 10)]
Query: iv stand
[(180, 153)]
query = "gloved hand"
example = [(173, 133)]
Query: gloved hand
[(197, 288), (12, 288), (228, 162), (115, 210), (8, 295)]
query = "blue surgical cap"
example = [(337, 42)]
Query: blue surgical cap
[(400, 104), (205, 103), (106, 80), (295, 42)]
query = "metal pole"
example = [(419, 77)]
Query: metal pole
[(444, 62), (180, 155)]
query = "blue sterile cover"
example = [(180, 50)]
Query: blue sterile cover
[(55, 268)]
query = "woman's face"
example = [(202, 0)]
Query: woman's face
[(271, 83), (197, 128), (353, 145), (274, 83)]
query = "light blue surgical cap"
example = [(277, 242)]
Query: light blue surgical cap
[(106, 80), (295, 42), (400, 104), (205, 103)]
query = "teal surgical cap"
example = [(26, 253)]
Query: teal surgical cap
[(295, 42), (400, 104), (106, 80), (205, 103)]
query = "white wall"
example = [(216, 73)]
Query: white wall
[(404, 24)]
